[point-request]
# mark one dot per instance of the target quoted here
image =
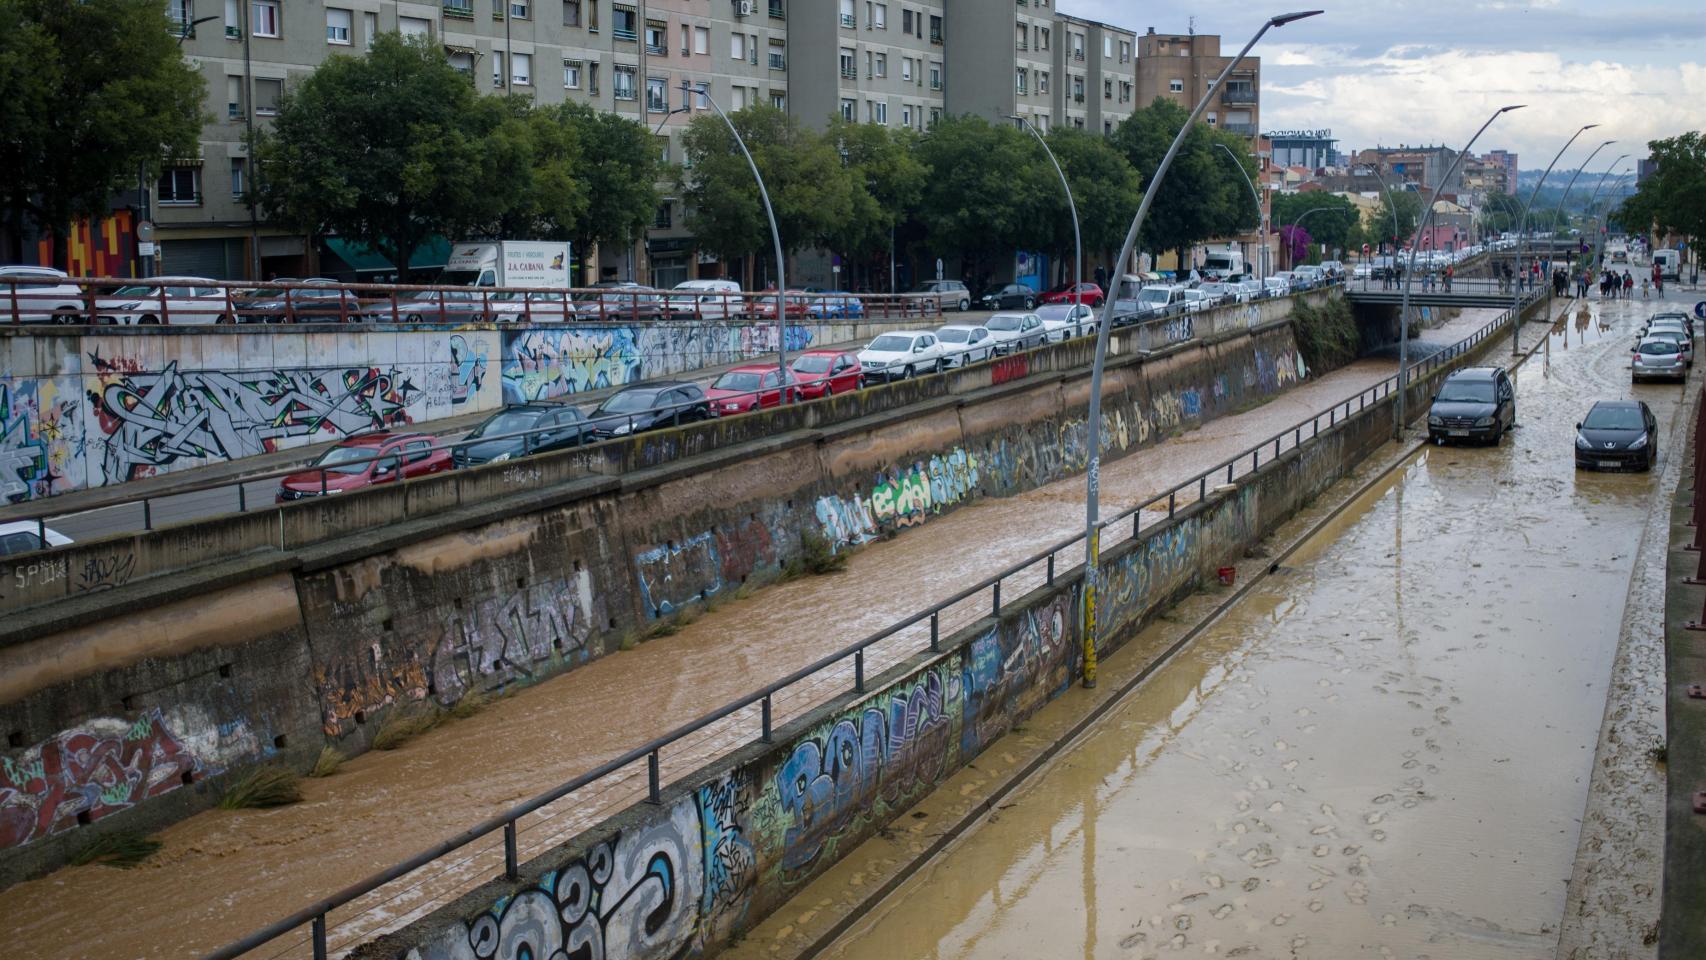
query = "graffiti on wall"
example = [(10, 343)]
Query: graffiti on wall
[(731, 865), (39, 441), (540, 364), (1143, 577), (454, 384), (635, 895), (91, 771), (899, 497), (151, 420), (1015, 668), (679, 572)]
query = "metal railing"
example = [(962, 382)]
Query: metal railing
[(1038, 569)]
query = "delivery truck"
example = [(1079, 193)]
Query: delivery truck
[(508, 263)]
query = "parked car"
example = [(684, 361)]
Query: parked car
[(1013, 296), (1686, 319), (351, 464), (537, 306), (1160, 299), (448, 306), (649, 406), (1196, 300), (822, 373), (43, 295), (1276, 286), (523, 429), (750, 387), (23, 536), (619, 300), (965, 343), (902, 354), (1684, 342), (1294, 281), (953, 293), (1014, 332), (1250, 289), (1222, 291), (839, 304), (1064, 321), (1617, 434), (176, 300), (1473, 403), (706, 300), (1088, 293), (319, 301), (1313, 276), (1670, 323), (797, 304), (1658, 358)]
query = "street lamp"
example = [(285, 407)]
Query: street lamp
[(1593, 201), (1392, 206), (1077, 245), (1410, 274), (1522, 240), (775, 235), (1553, 230), (1261, 218), (1093, 475), (1295, 224)]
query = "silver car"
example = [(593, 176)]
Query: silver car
[(1658, 359), (39, 295)]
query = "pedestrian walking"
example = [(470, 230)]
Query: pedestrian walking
[(1628, 286), (1646, 288), (1448, 275)]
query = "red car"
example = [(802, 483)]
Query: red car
[(826, 372), (350, 465), (796, 303), (748, 388), (1087, 293)]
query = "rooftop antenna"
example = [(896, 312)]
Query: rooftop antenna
[(1193, 25)]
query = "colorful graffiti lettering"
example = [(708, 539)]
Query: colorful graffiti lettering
[(905, 496), (846, 522), (467, 369), (36, 439), (95, 770), (673, 575), (542, 364), (1015, 668), (731, 866)]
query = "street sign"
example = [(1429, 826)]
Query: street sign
[(145, 248), (1700, 309), (938, 268), (145, 231)]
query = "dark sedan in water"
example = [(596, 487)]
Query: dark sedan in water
[(1617, 434)]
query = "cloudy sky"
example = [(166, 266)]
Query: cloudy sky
[(1384, 72)]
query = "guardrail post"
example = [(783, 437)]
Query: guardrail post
[(1136, 522), (1202, 488), (1051, 569), (654, 795), (765, 722), (935, 633), (242, 498), (1171, 495), (41, 532), (319, 935), (511, 871), (859, 670), (147, 514)]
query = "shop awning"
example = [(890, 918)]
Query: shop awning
[(361, 258)]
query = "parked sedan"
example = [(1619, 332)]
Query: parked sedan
[(797, 303), (1684, 343), (319, 300), (838, 304), (619, 300), (1013, 296), (1617, 434), (964, 343), (43, 295), (449, 306), (1088, 293), (822, 373), (367, 460), (751, 387), (1658, 359), (23, 536), (1063, 321), (539, 306), (902, 354), (649, 406), (523, 429), (174, 300), (1016, 331)]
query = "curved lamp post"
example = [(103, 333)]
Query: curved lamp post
[(1093, 475), (1261, 218), (1295, 224), (1077, 245), (1410, 274), (1522, 239), (1594, 200), (1390, 205), (775, 235), (1559, 209)]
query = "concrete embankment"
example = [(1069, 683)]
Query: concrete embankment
[(426, 592)]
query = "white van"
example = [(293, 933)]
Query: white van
[(706, 300), (1159, 299), (1223, 264), (1669, 263)]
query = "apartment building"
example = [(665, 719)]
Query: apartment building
[(1097, 88), (999, 59), (872, 61), (1181, 68)]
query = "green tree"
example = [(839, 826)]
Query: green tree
[(886, 179), (388, 150), (91, 94), (619, 170), (537, 164), (988, 193), (1408, 204), (1673, 198), (1500, 212), (1203, 197), (1334, 222), (1105, 187)]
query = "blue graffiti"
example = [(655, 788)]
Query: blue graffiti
[(675, 574)]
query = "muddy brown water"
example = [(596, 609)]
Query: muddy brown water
[(1383, 751), (222, 874)]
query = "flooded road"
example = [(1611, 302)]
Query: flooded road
[(1384, 750), (221, 874)]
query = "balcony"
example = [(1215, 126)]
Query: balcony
[(849, 73), (1238, 96), (1022, 46), (1078, 98), (1241, 129), (935, 84), (936, 37), (459, 11), (657, 50), (776, 11), (778, 62), (622, 34)]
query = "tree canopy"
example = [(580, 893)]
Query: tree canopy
[(1324, 218), (1105, 187), (1673, 198), (1202, 197)]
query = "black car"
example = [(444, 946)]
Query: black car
[(650, 406), (316, 301), (1014, 296), (1617, 434), (517, 431), (1473, 403)]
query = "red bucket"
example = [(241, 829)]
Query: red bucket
[(1228, 575)]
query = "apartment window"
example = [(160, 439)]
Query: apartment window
[(462, 61), (906, 69), (1042, 81), (1125, 51), (234, 19), (778, 100), (1019, 83), (849, 69), (1212, 119), (180, 186), (1077, 45), (663, 152), (906, 21), (1107, 47), (1020, 37), (1125, 91), (777, 11), (662, 219), (592, 16), (882, 65), (737, 98), (234, 98), (369, 29), (263, 18), (267, 94), (625, 23), (657, 38), (572, 74), (702, 40), (935, 76), (622, 83), (752, 52), (870, 111), (935, 29), (1041, 122), (572, 13), (935, 116), (881, 20), (1107, 89), (1042, 38), (701, 96), (657, 95), (905, 115), (497, 68), (592, 76), (847, 108), (338, 26), (778, 55), (1176, 86), (1107, 128), (882, 113), (414, 27), (521, 68), (868, 71), (518, 9), (1077, 89), (238, 169), (686, 39), (737, 46), (847, 14)]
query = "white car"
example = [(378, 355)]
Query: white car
[(44, 295), (964, 343), (1063, 321), (175, 300), (1196, 301), (1016, 331), (1252, 289), (901, 355), (1222, 291), (22, 536), (1159, 299), (1277, 286)]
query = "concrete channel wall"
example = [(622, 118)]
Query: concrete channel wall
[(110, 404), (128, 708), (731, 843)]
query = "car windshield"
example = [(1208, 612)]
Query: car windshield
[(1153, 295), (1466, 391), (891, 344), (1658, 347), (1613, 418), (1003, 323), (812, 365), (629, 401), (510, 421), (1062, 311), (953, 335), (136, 290), (338, 459), (735, 380)]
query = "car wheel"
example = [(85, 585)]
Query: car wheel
[(66, 317), (148, 318), (829, 389), (412, 318), (908, 373), (965, 304), (940, 366)]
